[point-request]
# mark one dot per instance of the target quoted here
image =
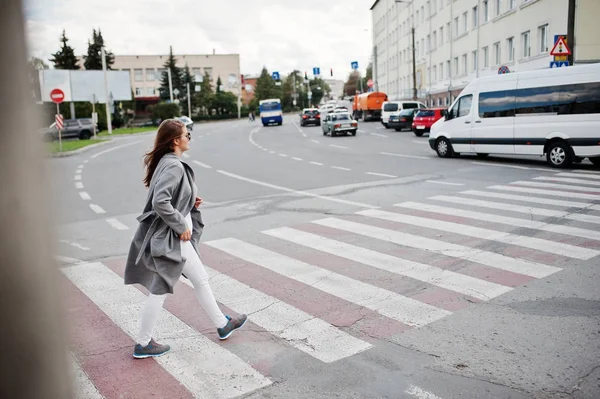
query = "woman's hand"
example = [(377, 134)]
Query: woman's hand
[(198, 202), (186, 235)]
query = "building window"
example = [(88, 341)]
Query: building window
[(160, 72), (475, 63), (422, 14), (543, 34), (475, 17), (526, 44), (464, 64), (139, 75), (150, 75), (151, 91), (417, 19), (464, 21), (512, 4), (486, 11), (486, 57), (510, 47), (456, 27), (428, 49), (434, 75), (422, 47), (138, 91), (434, 42), (448, 71), (208, 71), (497, 53), (455, 66), (448, 32), (498, 7), (441, 35)]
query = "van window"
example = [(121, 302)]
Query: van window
[(537, 100), (425, 113), (581, 98), (390, 107), (464, 105), (497, 104), (410, 105)]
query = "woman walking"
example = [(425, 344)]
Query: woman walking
[(165, 245)]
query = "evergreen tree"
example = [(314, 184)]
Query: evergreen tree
[(266, 88), (171, 64), (93, 59), (187, 77), (205, 96), (219, 84), (65, 57), (34, 65)]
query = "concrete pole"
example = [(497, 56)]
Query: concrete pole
[(170, 84), (106, 100), (189, 98), (571, 31)]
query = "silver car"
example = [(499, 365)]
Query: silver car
[(339, 123)]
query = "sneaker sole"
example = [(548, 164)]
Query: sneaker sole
[(135, 355), (231, 332)]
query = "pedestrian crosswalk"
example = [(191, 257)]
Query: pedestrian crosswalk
[(330, 289)]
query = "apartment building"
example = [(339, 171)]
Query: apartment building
[(459, 40)]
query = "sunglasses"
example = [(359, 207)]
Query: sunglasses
[(189, 136)]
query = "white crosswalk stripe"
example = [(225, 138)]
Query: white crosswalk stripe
[(192, 355), (578, 175), (533, 200), (558, 186), (552, 193), (516, 222), (568, 180)]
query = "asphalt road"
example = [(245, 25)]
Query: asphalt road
[(497, 260)]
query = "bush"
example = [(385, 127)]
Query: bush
[(162, 111)]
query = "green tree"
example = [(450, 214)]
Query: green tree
[(352, 85), (225, 103), (205, 96), (266, 88), (219, 84), (171, 64), (93, 59), (162, 111), (318, 87), (287, 101), (187, 77), (65, 57), (368, 75)]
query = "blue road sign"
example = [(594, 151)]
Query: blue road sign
[(275, 75), (316, 71), (354, 65), (559, 64)]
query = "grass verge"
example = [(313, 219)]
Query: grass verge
[(70, 145), (128, 130)]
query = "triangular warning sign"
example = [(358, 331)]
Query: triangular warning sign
[(560, 48)]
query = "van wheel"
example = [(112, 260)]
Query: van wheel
[(559, 154), (85, 135), (482, 155), (443, 148)]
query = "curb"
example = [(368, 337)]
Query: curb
[(80, 150)]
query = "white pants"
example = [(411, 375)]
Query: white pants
[(194, 270)]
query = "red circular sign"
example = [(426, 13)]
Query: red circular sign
[(370, 82), (57, 96)]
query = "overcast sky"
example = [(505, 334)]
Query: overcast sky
[(280, 34)]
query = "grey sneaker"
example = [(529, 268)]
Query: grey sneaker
[(232, 325), (153, 349)]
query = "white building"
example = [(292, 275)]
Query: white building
[(459, 40), (336, 86)]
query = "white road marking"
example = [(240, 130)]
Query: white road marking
[(77, 177), (304, 134), (297, 127), (82, 386), (66, 259), (75, 244), (338, 146), (115, 148), (283, 155), (379, 135), (555, 185), (554, 193), (404, 156), (568, 180), (420, 393), (420, 142), (116, 224), (379, 174), (86, 161), (513, 166), (381, 127), (586, 171), (340, 168), (444, 182), (315, 141), (301, 330), (477, 255), (442, 278), (78, 185), (297, 159), (97, 208), (84, 196), (388, 303), (272, 152), (192, 353), (298, 192), (535, 200), (570, 251), (515, 222), (579, 175), (517, 208), (202, 164), (316, 163)]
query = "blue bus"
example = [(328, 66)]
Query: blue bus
[(270, 111)]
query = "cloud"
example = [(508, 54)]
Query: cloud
[(282, 35)]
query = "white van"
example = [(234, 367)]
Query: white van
[(553, 112), (394, 107)]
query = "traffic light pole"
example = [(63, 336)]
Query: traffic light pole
[(571, 31)]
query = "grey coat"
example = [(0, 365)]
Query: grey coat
[(155, 259)]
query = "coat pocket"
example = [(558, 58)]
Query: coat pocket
[(165, 243)]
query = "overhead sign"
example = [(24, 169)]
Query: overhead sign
[(559, 64), (560, 48), (503, 69), (275, 75), (354, 65), (57, 96), (316, 71)]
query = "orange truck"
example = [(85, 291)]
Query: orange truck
[(367, 106)]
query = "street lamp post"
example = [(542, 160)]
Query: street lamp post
[(414, 58)]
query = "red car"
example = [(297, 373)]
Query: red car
[(425, 118)]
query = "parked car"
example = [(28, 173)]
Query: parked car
[(389, 108), (339, 124), (403, 119), (310, 116), (340, 109), (189, 123), (425, 118), (82, 128)]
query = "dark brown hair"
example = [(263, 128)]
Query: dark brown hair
[(169, 130)]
